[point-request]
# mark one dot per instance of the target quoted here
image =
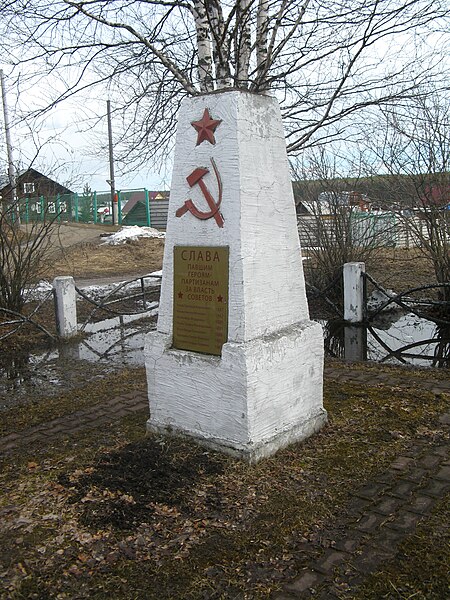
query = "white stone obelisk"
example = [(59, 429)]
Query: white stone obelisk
[(265, 389)]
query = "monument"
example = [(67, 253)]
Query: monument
[(235, 362)]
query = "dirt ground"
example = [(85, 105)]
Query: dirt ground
[(402, 269), (78, 250), (107, 512), (66, 235)]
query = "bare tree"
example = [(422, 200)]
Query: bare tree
[(411, 143), (336, 229), (325, 60), (22, 250)]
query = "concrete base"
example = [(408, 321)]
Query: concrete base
[(258, 397), (256, 452)]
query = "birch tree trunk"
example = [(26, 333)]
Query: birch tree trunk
[(243, 42), (262, 28), (205, 74), (220, 43)]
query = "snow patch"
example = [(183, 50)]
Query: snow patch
[(131, 233), (98, 292), (41, 289), (38, 292)]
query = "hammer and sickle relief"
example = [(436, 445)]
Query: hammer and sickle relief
[(196, 178), (205, 129)]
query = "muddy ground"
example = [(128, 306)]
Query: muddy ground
[(107, 512)]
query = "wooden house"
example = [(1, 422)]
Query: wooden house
[(33, 184)]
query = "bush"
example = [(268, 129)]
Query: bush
[(22, 250)]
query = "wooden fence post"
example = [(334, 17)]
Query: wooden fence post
[(65, 306), (354, 292)]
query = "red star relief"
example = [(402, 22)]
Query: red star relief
[(205, 128), (180, 295)]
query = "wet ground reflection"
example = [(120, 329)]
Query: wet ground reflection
[(108, 346), (111, 344), (395, 339)]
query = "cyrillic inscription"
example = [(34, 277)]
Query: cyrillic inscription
[(200, 299)]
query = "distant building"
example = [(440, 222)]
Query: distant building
[(32, 184), (436, 195), (327, 203), (136, 211)]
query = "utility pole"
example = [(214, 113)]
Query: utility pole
[(11, 170), (111, 181)]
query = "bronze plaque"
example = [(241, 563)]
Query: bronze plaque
[(200, 298)]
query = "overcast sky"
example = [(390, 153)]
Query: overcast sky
[(65, 145)]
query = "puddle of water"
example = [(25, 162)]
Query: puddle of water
[(109, 346), (394, 339), (118, 341), (114, 343)]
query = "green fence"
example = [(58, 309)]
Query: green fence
[(61, 208), (45, 209), (95, 207)]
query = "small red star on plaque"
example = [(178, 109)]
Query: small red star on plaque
[(180, 295), (205, 128), (219, 299)]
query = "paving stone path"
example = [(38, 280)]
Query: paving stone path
[(91, 417), (380, 515), (98, 415)]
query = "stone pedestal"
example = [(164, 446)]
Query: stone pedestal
[(265, 389)]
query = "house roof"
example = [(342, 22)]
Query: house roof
[(139, 196), (34, 176), (133, 199), (4, 180)]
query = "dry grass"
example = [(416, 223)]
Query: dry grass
[(96, 260), (110, 514), (401, 268), (87, 393), (397, 268)]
